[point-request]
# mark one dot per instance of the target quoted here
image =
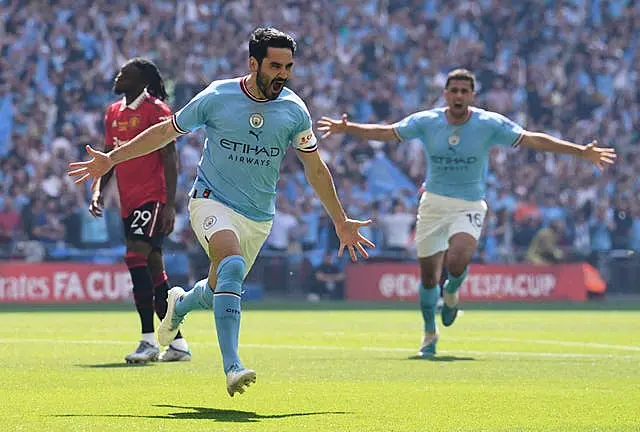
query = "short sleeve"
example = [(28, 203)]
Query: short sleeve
[(506, 133), (303, 137), (161, 113), (412, 126), (196, 112)]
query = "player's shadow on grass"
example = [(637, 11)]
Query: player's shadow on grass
[(114, 365), (446, 358), (202, 413), (224, 415)]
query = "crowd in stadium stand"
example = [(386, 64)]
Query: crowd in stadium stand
[(570, 68)]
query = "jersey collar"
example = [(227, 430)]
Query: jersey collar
[(245, 90), (469, 114), (135, 104)]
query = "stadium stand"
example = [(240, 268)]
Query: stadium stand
[(570, 68)]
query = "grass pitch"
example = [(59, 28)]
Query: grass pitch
[(327, 368)]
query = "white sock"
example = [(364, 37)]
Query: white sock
[(451, 299), (180, 344), (149, 338)]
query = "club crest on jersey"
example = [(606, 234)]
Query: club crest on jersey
[(256, 120), (209, 222), (454, 140), (134, 121)]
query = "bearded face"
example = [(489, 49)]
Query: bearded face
[(274, 71)]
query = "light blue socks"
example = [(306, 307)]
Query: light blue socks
[(452, 284), (200, 297), (428, 301), (226, 309)]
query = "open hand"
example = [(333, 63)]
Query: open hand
[(599, 156), (93, 169), (96, 205), (330, 126), (350, 238)]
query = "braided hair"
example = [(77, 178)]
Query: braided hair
[(151, 76)]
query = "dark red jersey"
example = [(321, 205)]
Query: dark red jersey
[(140, 180)]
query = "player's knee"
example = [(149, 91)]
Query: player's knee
[(156, 264), (457, 262), (134, 259), (225, 241), (230, 271)]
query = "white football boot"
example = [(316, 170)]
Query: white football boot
[(145, 353), (170, 325), (237, 379)]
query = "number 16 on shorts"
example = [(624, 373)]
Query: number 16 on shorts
[(475, 219), (469, 222)]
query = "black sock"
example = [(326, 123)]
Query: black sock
[(143, 296)]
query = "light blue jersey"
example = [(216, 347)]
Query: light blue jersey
[(246, 141), (458, 155)]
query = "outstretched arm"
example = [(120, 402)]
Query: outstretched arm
[(321, 180), (376, 132), (148, 141), (152, 139), (193, 115), (599, 156)]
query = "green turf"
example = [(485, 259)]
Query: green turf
[(328, 370)]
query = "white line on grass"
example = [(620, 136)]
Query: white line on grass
[(550, 342), (509, 340), (459, 352), (342, 348)]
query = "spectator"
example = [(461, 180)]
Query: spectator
[(523, 234), (328, 280), (283, 231), (581, 235), (539, 64), (635, 230), (283, 228), (397, 227), (602, 225), (622, 224), (47, 225), (545, 246), (9, 226), (310, 226)]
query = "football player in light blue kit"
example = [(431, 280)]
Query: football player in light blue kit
[(456, 140), (250, 122)]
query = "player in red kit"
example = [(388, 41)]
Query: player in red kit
[(147, 188)]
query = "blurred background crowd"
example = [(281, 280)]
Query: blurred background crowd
[(570, 68)]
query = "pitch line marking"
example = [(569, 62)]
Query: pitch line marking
[(342, 348)]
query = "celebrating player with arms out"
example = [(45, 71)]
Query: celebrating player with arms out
[(249, 121), (456, 140), (147, 189)]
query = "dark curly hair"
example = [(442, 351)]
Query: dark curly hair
[(263, 38)]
